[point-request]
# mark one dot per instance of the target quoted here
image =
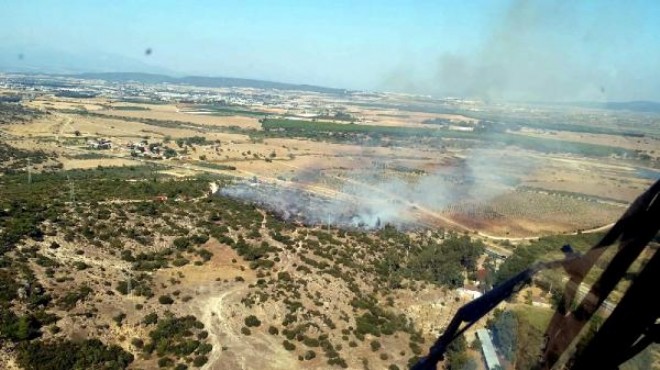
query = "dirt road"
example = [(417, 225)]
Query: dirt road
[(221, 313)]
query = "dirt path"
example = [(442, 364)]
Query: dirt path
[(222, 316), (526, 238)]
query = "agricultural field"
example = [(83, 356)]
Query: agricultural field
[(485, 174)]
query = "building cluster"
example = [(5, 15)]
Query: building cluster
[(99, 144)]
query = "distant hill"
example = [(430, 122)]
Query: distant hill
[(635, 106), (632, 106), (39, 59), (205, 81)]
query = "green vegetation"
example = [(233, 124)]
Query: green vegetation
[(174, 336), (17, 113), (193, 140), (457, 356), (358, 133), (445, 262), (15, 161), (216, 166), (70, 300), (227, 110), (517, 339), (252, 321), (543, 248), (165, 299), (62, 354)]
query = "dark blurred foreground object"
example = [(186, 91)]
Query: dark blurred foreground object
[(629, 329)]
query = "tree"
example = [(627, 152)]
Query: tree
[(199, 361), (252, 321), (169, 153), (505, 329), (165, 299), (457, 354)]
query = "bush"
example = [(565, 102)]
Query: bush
[(70, 300), (165, 299), (375, 345), (310, 355), (288, 345), (273, 330), (202, 334), (205, 254), (181, 243), (252, 321), (200, 361), (119, 319), (311, 342), (165, 362), (204, 348), (137, 343), (245, 331), (151, 318)]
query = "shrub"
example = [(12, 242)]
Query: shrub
[(137, 343), (245, 331), (202, 334), (200, 361), (252, 321), (165, 362), (165, 299), (288, 345), (204, 348), (151, 318), (119, 318), (375, 345), (273, 330), (311, 342)]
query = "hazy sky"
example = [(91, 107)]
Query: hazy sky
[(533, 50)]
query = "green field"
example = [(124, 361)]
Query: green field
[(538, 317)]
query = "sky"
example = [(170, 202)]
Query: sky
[(491, 49)]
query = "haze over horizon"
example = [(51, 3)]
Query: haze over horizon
[(519, 50)]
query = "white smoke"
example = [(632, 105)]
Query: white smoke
[(373, 198)]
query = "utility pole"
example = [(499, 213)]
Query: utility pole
[(72, 190)]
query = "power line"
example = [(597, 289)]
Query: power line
[(72, 190)]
